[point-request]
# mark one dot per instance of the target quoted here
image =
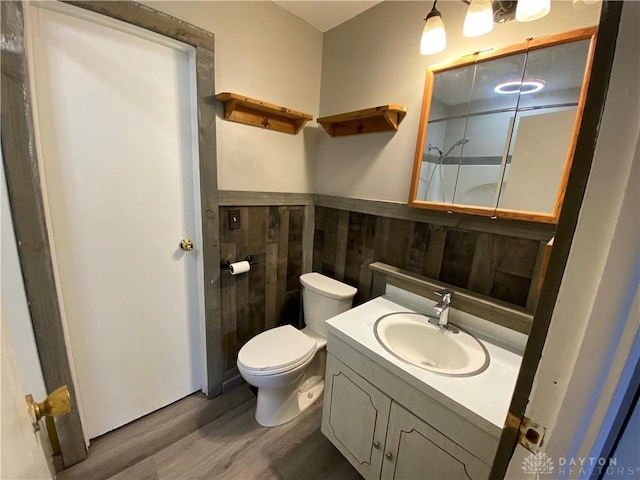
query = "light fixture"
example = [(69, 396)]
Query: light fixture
[(481, 16), (503, 10), (523, 87), (529, 10), (479, 19), (584, 3), (433, 39)]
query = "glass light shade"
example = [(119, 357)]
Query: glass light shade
[(434, 39), (479, 19), (530, 10), (584, 3)]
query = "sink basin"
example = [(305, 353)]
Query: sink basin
[(411, 338)]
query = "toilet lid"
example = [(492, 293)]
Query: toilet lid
[(276, 349), (327, 287)]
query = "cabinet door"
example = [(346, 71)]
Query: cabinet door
[(416, 450), (354, 417)]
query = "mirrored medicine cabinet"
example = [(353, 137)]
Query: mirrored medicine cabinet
[(498, 129)]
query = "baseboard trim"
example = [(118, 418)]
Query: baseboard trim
[(232, 384)]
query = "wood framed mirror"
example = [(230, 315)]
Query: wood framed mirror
[(498, 129)]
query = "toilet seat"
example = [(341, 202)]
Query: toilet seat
[(276, 351)]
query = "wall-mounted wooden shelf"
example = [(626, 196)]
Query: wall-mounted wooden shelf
[(378, 119), (241, 109)]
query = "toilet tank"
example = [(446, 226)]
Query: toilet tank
[(323, 298)]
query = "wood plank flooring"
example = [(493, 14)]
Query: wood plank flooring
[(196, 438)]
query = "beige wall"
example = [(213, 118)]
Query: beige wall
[(264, 52), (373, 60)]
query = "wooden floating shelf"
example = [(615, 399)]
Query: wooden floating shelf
[(377, 119), (241, 109)]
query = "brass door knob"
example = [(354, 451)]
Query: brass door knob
[(186, 244), (57, 403)]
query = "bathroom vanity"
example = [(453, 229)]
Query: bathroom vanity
[(392, 419)]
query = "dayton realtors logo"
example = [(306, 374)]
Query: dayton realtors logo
[(596, 466), (537, 463), (541, 464)]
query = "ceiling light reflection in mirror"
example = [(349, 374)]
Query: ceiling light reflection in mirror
[(522, 87)]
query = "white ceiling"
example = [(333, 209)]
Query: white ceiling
[(325, 14)]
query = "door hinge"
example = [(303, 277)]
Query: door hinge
[(530, 434)]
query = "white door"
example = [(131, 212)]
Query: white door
[(592, 343), (115, 115), (23, 453)]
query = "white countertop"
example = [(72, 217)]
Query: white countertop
[(487, 395)]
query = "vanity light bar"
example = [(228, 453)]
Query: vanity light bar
[(519, 86)]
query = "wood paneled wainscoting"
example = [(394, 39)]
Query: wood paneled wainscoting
[(497, 265), (289, 234), (269, 294)]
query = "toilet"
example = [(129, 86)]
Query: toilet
[(286, 364)]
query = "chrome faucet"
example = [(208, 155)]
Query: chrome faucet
[(441, 311)]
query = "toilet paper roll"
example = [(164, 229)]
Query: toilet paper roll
[(239, 267)]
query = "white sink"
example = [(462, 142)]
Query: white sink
[(411, 338)]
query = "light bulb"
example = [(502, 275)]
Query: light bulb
[(529, 10), (434, 39), (479, 19)]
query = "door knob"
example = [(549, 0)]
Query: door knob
[(57, 402), (389, 455), (186, 244)]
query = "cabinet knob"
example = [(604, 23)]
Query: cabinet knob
[(376, 445), (389, 456)]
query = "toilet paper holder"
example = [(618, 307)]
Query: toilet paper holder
[(226, 264)]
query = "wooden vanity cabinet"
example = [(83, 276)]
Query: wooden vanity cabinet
[(354, 417), (382, 439), (414, 449)]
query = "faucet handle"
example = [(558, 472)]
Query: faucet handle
[(445, 294)]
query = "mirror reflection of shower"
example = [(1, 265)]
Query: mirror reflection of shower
[(438, 166)]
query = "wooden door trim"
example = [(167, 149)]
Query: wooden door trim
[(27, 210), (27, 204), (576, 186), (145, 17)]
